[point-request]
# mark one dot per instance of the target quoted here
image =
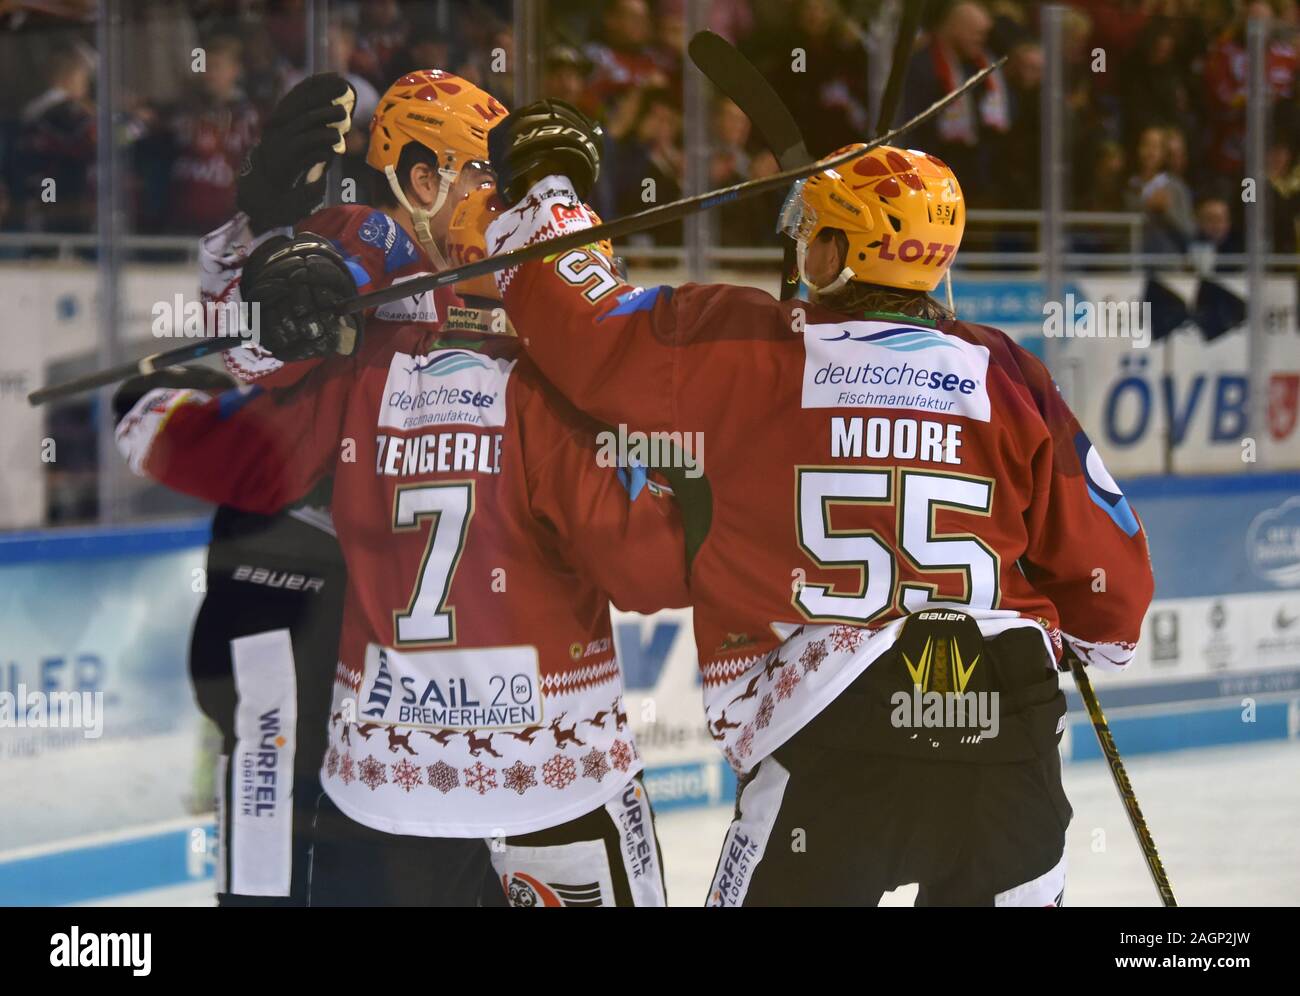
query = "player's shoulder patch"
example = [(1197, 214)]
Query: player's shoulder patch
[(380, 230), (894, 364), (638, 299)]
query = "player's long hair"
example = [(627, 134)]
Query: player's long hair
[(857, 297)]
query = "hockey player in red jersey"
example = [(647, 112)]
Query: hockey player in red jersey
[(905, 523), (477, 692), (428, 148)]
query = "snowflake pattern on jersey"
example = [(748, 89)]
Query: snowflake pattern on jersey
[(559, 772), (372, 773), (621, 755), (332, 762), (786, 682), (443, 777), (813, 655), (480, 778), (594, 764), (345, 769), (745, 742), (846, 639), (406, 774), (520, 777), (765, 710)]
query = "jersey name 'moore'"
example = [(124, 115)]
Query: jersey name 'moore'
[(900, 438), (438, 453)]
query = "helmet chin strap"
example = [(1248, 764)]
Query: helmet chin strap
[(801, 254), (420, 218)]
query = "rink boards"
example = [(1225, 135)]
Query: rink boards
[(103, 611)]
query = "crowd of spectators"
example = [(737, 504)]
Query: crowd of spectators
[(1155, 91)]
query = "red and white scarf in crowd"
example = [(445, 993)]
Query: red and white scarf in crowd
[(956, 122)]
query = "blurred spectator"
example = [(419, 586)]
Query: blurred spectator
[(647, 161), (669, 48), (1160, 194), (1284, 181), (1215, 235), (1020, 169), (741, 223), (830, 90), (266, 71), (207, 134), (56, 147), (623, 61), (1155, 90), (1226, 79), (381, 33), (564, 73), (1102, 180), (425, 47), (960, 134)]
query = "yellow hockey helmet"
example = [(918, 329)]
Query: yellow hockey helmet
[(444, 113), (901, 210)]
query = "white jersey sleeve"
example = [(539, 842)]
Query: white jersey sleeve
[(222, 253)]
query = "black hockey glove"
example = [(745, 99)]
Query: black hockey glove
[(283, 179), (130, 391), (548, 137), (295, 284)]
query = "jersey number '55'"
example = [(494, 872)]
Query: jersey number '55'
[(915, 497)]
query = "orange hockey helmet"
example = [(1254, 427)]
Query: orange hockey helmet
[(902, 211), (446, 114), (467, 239)]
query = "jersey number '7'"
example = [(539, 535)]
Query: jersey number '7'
[(428, 618)]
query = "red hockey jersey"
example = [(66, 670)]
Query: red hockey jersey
[(477, 690), (859, 469)]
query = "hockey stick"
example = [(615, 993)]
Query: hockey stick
[(146, 365), (655, 216), (1122, 784), (639, 222), (908, 23), (737, 79)]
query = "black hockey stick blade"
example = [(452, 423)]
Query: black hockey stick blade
[(740, 81), (652, 217), (737, 79), (146, 365), (908, 23), (1126, 794), (639, 222)]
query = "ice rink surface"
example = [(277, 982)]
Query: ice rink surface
[(1226, 821)]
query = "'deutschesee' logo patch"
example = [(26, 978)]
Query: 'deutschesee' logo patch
[(882, 365)]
